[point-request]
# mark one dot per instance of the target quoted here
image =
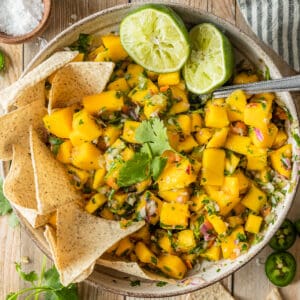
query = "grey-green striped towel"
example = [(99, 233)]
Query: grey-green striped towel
[(277, 23)]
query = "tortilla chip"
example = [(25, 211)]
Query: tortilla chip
[(31, 94), (76, 80), (41, 72), (33, 218), (14, 126), (131, 268), (85, 236), (212, 292), (52, 182), (18, 185)]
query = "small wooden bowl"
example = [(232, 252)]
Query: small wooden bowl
[(10, 39)]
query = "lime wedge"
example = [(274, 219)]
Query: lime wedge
[(211, 60), (155, 37)]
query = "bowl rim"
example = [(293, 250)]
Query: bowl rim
[(220, 21), (18, 39)]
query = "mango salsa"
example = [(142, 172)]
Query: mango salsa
[(203, 177)]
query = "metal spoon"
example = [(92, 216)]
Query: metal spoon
[(285, 84)]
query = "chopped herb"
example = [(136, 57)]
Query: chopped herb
[(267, 73), (241, 237), (135, 283), (167, 268), (154, 260), (82, 44), (161, 283), (296, 138)]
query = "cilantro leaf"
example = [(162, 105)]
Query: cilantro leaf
[(157, 165), (5, 207), (46, 284), (134, 170), (31, 276), (154, 133)]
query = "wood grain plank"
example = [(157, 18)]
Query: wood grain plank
[(224, 9), (10, 244), (202, 4), (13, 64)]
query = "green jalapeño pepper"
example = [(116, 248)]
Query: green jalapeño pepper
[(285, 236), (280, 268)]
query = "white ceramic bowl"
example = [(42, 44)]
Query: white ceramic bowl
[(108, 20)]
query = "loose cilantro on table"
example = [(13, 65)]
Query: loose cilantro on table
[(46, 284), (6, 209), (148, 162)]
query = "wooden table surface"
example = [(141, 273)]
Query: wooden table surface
[(247, 283)]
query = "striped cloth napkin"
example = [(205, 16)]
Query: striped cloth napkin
[(277, 23)]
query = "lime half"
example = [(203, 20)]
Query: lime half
[(211, 61), (156, 38)]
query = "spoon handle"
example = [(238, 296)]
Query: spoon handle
[(285, 84)]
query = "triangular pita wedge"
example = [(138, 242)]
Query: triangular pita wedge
[(31, 94), (41, 72), (52, 182), (78, 79), (131, 268), (33, 218), (18, 185), (81, 238), (274, 294), (14, 126)]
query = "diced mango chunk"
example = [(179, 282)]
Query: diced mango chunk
[(255, 199), (172, 265), (253, 223), (105, 101), (85, 126), (168, 78), (216, 116), (213, 253), (133, 73), (257, 159), (218, 224), (238, 144), (213, 164), (265, 137), (185, 240), (236, 105), (98, 179), (86, 156), (218, 139), (129, 131), (281, 160), (176, 195), (174, 215), (177, 175), (119, 84), (113, 43), (234, 244), (144, 254), (95, 202), (125, 247), (59, 122), (64, 152)]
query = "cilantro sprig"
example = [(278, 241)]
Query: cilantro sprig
[(148, 162), (6, 209), (46, 284)]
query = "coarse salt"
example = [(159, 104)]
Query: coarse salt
[(18, 17)]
